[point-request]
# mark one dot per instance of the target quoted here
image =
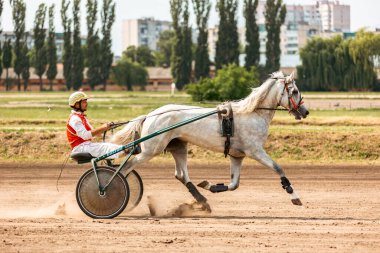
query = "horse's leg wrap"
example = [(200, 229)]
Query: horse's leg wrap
[(196, 194), (286, 185), (218, 188)]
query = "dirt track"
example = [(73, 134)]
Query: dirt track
[(341, 212)]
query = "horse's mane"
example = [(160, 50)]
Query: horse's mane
[(253, 100)]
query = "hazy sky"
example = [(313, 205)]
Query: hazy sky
[(364, 13)]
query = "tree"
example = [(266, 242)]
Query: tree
[(51, 49), (230, 83), (1, 62), (181, 54), (67, 45), (19, 30), (108, 19), (26, 63), (77, 54), (331, 65), (142, 55), (275, 14), (252, 49), (164, 48), (7, 61), (128, 73), (227, 46), (93, 46), (39, 35), (202, 61)]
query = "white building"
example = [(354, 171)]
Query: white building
[(143, 32), (335, 17)]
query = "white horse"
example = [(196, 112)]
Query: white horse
[(252, 117)]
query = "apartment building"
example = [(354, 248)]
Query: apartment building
[(143, 32)]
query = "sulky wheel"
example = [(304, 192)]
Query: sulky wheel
[(136, 189), (102, 205)]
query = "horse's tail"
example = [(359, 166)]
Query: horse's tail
[(127, 134)]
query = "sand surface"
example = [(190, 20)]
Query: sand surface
[(341, 212)]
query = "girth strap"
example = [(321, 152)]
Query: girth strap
[(227, 125)]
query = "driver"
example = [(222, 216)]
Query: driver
[(80, 132)]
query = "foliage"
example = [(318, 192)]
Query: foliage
[(330, 65), (77, 55), (182, 53), (164, 48), (252, 48), (106, 55), (39, 34), (128, 73), (274, 17), (18, 14), (227, 46), (26, 63), (93, 46), (67, 45), (141, 54), (202, 61), (51, 49), (7, 60), (231, 82)]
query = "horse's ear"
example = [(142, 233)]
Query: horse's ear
[(290, 78)]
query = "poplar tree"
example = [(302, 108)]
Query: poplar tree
[(227, 46), (77, 53), (39, 35), (275, 14), (26, 65), (252, 49), (52, 49), (181, 53), (108, 19), (202, 61), (93, 45), (1, 53), (19, 30), (7, 61), (67, 45)]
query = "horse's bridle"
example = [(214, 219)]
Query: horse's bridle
[(292, 104)]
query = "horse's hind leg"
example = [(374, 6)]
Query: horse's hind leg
[(262, 157), (178, 149)]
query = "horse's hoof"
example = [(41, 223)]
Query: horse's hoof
[(297, 202), (205, 206), (205, 185)]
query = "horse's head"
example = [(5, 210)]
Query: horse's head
[(291, 98)]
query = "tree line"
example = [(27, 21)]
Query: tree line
[(96, 54), (335, 64)]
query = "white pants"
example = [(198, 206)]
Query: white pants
[(97, 149)]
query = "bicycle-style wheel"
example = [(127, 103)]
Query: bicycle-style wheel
[(136, 190), (102, 205)]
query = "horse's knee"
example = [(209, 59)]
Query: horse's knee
[(233, 187)]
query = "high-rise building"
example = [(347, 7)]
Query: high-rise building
[(143, 32), (335, 17)]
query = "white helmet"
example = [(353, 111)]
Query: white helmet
[(77, 97)]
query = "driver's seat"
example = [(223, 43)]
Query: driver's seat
[(81, 157)]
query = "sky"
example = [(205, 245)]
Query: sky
[(364, 13)]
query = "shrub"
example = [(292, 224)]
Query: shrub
[(231, 82)]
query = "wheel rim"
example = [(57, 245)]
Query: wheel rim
[(107, 205), (136, 190)]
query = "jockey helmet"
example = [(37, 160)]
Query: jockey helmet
[(77, 97)]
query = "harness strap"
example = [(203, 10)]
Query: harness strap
[(225, 115)]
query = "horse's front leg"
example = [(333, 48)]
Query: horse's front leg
[(262, 157), (235, 167)]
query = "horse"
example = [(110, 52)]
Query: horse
[(252, 117)]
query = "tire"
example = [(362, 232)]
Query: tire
[(136, 189), (111, 203)]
